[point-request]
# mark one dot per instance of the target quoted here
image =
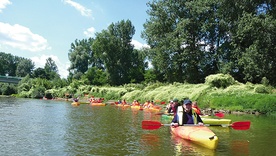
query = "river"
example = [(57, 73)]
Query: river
[(47, 127)]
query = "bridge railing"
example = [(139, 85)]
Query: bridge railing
[(10, 79)]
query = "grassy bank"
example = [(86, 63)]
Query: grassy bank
[(218, 92), (238, 97)]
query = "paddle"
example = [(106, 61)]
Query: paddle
[(220, 115), (152, 125)]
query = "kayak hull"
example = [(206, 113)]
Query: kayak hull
[(208, 121), (216, 122), (121, 105), (97, 104), (152, 109), (136, 107), (200, 135), (75, 103)]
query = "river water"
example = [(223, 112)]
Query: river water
[(46, 127)]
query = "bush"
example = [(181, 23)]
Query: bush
[(7, 89), (261, 89), (37, 92), (220, 80)]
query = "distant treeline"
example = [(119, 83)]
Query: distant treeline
[(187, 41)]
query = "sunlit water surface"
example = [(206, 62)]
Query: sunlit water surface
[(47, 127)]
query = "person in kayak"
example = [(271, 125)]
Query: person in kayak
[(173, 108), (124, 102), (186, 115), (135, 103), (196, 108), (146, 104)]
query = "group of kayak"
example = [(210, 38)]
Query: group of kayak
[(186, 120), (188, 123), (148, 105), (92, 101)]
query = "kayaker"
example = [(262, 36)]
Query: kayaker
[(172, 109), (186, 115), (146, 104), (124, 102), (196, 108), (135, 103), (76, 99), (151, 104)]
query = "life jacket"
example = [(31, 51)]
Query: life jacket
[(180, 113), (197, 110)]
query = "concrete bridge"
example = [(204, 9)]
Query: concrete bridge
[(10, 79)]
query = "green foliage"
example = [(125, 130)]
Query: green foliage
[(24, 67), (220, 80), (123, 64), (96, 76), (262, 89), (7, 89), (81, 56), (37, 92)]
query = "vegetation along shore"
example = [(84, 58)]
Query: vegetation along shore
[(219, 93)]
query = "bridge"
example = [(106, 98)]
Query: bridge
[(10, 79)]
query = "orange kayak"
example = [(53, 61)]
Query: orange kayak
[(137, 107), (97, 104), (121, 105), (200, 135), (153, 109), (75, 103)]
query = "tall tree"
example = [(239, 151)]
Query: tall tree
[(81, 56), (114, 47), (24, 67), (175, 33), (51, 69)]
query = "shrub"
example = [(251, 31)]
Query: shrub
[(261, 89), (220, 80), (37, 92)]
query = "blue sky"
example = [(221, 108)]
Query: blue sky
[(39, 29)]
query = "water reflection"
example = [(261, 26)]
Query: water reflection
[(48, 127), (184, 147)]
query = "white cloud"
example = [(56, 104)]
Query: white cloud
[(62, 68), (3, 4), (90, 32), (84, 11), (138, 45), (21, 37)]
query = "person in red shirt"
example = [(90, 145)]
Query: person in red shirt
[(196, 108)]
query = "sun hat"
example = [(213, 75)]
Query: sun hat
[(175, 100)]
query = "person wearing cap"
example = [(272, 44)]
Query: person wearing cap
[(186, 115), (172, 109)]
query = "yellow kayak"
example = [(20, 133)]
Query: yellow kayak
[(121, 105), (200, 135), (216, 122), (137, 107), (97, 104), (75, 103)]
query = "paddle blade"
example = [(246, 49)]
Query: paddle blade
[(151, 125), (220, 115), (163, 102), (241, 125)]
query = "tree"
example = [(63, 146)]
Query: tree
[(51, 69), (39, 73), (174, 33), (114, 47), (24, 67), (81, 56)]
